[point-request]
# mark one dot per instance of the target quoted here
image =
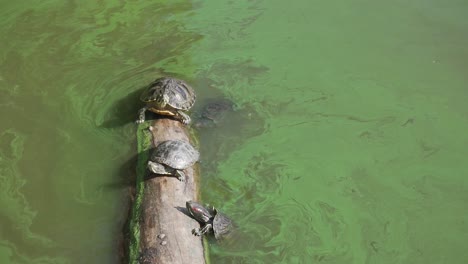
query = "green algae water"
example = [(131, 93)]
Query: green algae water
[(349, 142)]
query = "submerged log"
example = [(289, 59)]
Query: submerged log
[(165, 229)]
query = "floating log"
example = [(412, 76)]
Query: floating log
[(165, 230)]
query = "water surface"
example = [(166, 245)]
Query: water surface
[(348, 144)]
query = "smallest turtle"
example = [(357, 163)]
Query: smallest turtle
[(212, 220)]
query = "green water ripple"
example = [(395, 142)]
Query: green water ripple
[(63, 69), (16, 214), (348, 143), (357, 111)]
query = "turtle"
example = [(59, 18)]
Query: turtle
[(167, 96), (212, 220), (171, 157), (213, 113)]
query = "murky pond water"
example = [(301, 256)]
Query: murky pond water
[(348, 143)]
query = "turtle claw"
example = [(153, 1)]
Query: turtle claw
[(201, 231), (180, 176), (141, 115), (186, 121), (140, 120), (184, 118), (196, 232)]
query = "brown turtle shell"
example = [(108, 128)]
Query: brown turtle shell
[(176, 154), (222, 225), (179, 94)]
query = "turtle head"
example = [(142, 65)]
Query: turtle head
[(155, 94), (160, 98), (199, 212), (156, 168)]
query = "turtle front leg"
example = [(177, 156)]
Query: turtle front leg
[(206, 228), (183, 117), (141, 115), (180, 175), (199, 232), (196, 232)]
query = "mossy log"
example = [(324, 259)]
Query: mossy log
[(165, 229)]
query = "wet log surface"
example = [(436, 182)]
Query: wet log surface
[(165, 228)]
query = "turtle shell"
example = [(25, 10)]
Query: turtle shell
[(176, 154), (216, 110), (177, 93), (222, 225)]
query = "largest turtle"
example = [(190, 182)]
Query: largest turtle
[(168, 96), (171, 157), (212, 220)]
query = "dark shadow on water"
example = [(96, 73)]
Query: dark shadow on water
[(125, 175), (124, 110), (125, 181), (219, 138)]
